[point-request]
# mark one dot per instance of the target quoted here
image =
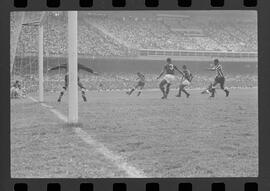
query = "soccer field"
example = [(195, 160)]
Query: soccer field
[(130, 136)]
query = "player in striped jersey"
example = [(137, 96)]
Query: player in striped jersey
[(219, 79), (185, 81), (140, 84)]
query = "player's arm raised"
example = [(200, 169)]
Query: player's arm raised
[(179, 70), (191, 77), (211, 69), (161, 73)]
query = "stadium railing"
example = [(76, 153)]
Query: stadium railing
[(152, 52)]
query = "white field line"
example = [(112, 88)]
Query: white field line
[(45, 105), (59, 115), (33, 99), (117, 160)]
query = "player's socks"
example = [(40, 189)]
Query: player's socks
[(164, 95), (227, 92), (179, 93), (132, 90), (187, 94), (84, 98), (163, 91), (167, 91), (139, 93), (213, 91), (60, 96)]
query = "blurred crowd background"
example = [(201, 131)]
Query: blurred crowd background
[(114, 34), (121, 35)]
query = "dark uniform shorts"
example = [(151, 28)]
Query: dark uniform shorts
[(140, 84), (219, 80)]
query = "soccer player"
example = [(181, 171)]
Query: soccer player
[(139, 85), (219, 79), (185, 81), (15, 90), (83, 90), (80, 67), (208, 90), (169, 77)]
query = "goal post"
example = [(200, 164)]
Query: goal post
[(38, 21), (72, 67), (14, 36), (41, 55), (40, 63)]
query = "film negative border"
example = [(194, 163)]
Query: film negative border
[(151, 186), (125, 3), (183, 184), (122, 3)]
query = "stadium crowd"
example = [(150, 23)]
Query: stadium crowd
[(122, 36), (107, 36)]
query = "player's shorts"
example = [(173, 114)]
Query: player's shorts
[(220, 80), (169, 78), (140, 84), (185, 82)]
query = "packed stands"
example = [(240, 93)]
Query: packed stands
[(113, 36), (123, 36)]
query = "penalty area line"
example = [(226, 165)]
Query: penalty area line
[(117, 160)]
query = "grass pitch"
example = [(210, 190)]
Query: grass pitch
[(177, 137)]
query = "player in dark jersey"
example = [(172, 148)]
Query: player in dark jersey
[(169, 77), (139, 85), (219, 79), (83, 90), (185, 81)]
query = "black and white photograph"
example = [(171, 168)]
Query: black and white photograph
[(133, 94)]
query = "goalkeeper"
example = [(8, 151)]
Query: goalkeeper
[(82, 88)]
